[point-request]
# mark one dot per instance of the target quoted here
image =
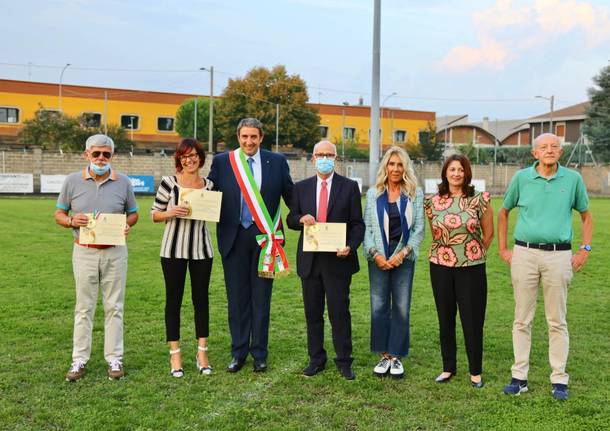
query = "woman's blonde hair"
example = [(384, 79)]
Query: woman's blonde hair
[(409, 181)]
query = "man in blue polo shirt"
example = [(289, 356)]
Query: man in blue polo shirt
[(97, 189), (545, 193)]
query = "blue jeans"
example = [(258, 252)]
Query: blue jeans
[(390, 308)]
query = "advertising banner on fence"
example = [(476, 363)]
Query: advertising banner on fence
[(51, 183), (142, 183), (16, 183)]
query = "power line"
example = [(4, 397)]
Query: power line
[(327, 89)]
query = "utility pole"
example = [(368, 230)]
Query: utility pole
[(277, 127), (374, 139), (195, 120), (105, 112), (211, 116), (61, 78)]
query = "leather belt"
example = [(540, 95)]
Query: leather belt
[(543, 246), (100, 246)]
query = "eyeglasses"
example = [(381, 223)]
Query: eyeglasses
[(327, 155), (193, 156), (96, 154)]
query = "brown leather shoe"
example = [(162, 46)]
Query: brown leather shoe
[(115, 370), (77, 371)]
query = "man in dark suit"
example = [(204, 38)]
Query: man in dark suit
[(333, 199), (248, 294)]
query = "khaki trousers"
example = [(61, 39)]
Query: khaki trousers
[(529, 267), (96, 269)]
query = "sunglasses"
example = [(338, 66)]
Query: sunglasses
[(96, 154)]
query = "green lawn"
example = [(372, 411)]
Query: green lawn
[(36, 308)]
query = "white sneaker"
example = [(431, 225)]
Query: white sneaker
[(397, 370), (382, 367)]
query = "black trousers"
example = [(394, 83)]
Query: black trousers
[(464, 288), (320, 285), (174, 272), (248, 297)]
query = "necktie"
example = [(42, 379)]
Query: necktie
[(246, 215), (323, 204)]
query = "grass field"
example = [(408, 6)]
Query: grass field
[(36, 315)]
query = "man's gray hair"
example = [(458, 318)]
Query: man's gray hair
[(324, 142), (546, 135), (100, 140), (250, 122)]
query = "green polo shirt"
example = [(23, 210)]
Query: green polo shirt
[(545, 205)]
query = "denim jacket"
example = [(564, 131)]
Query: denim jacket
[(373, 240)]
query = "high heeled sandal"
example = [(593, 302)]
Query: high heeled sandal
[(173, 372), (203, 370)]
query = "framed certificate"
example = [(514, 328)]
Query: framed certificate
[(202, 204), (104, 229), (324, 237)]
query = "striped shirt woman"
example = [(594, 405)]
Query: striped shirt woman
[(182, 238), (186, 245)]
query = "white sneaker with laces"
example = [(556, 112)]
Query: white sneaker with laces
[(382, 367), (397, 370)]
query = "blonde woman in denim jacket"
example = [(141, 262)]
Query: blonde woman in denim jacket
[(394, 219)]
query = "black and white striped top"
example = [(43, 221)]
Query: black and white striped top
[(182, 238)]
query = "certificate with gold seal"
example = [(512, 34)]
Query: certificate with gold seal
[(202, 204), (103, 229), (324, 237)]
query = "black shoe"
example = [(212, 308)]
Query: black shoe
[(313, 369), (347, 372), (441, 379), (235, 365), (260, 366), (477, 385)]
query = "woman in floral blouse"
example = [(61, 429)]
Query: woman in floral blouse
[(461, 221)]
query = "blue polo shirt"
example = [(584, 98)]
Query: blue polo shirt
[(545, 205)]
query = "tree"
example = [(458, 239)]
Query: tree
[(185, 119), (597, 124), (430, 148), (257, 94), (53, 130), (350, 148)]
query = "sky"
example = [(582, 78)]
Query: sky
[(481, 58)]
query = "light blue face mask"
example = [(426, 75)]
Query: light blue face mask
[(325, 165), (99, 170)]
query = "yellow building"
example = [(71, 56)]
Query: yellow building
[(352, 123), (149, 116)]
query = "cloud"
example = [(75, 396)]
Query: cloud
[(490, 54), (509, 29)]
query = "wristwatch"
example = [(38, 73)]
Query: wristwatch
[(585, 247)]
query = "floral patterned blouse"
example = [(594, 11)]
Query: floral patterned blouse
[(456, 229)]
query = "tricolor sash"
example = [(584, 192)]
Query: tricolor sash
[(272, 260)]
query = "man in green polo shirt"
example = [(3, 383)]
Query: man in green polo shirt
[(545, 193)]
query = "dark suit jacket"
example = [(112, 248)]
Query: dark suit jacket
[(344, 206), (275, 183)]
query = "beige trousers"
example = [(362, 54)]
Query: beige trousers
[(94, 270), (529, 267)]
